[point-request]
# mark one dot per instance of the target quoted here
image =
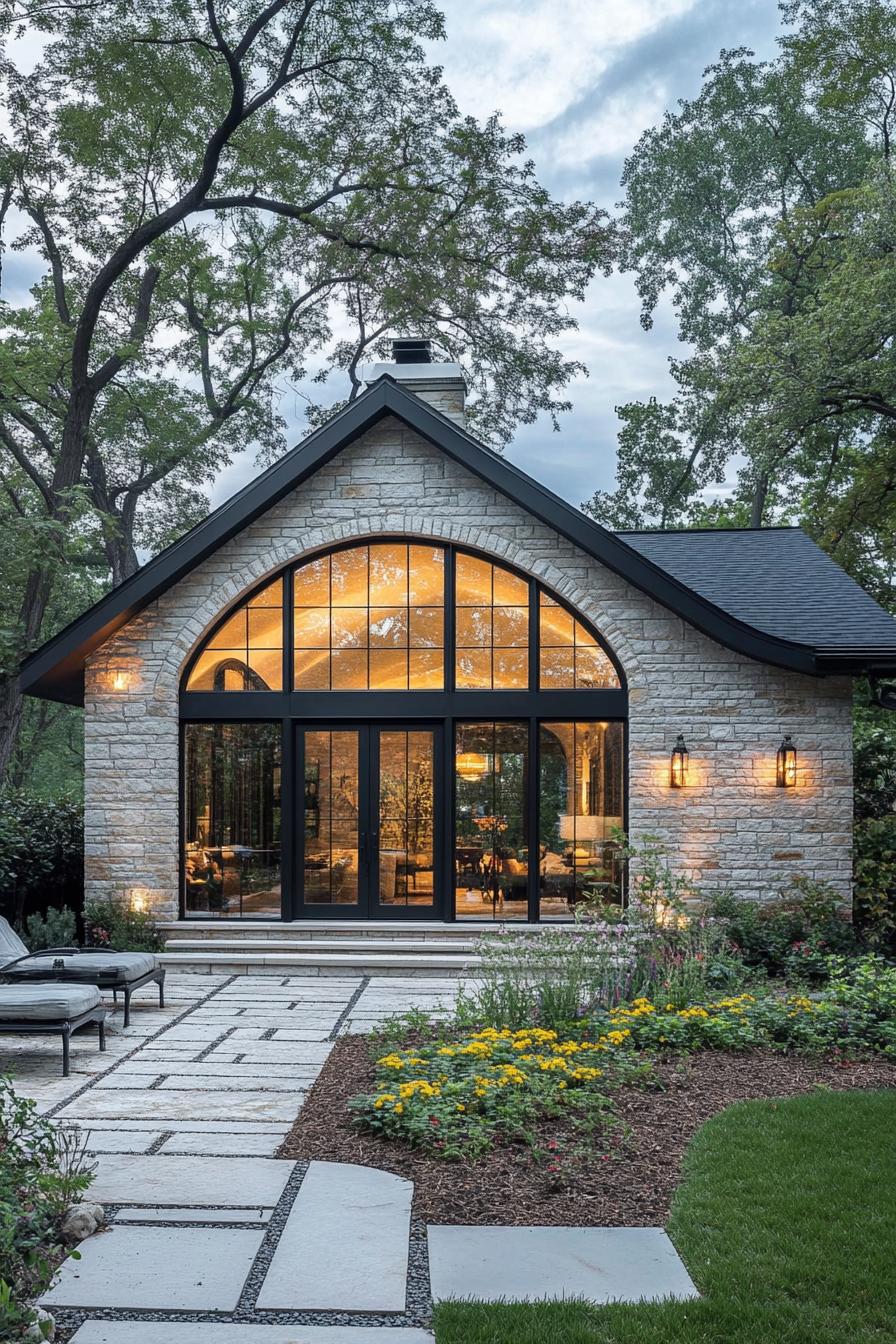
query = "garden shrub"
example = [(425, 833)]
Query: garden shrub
[(456, 1098), (41, 853), (793, 936), (113, 924), (57, 928), (41, 1175)]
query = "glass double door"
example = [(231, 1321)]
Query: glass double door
[(367, 837)]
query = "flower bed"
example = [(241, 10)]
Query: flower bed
[(453, 1097)]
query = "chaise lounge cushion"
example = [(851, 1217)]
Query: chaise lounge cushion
[(49, 1002), (11, 945), (113, 967)]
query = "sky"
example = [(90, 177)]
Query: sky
[(582, 79)]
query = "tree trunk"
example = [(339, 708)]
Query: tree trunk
[(760, 495)]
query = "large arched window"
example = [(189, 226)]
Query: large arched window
[(401, 729), (378, 617)]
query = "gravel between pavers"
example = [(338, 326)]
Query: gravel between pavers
[(626, 1181)]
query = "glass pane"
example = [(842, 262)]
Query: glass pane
[(510, 669), (348, 582), (311, 583), (330, 806), (371, 591), (232, 634), (348, 670), (474, 627), (272, 596), (511, 627), (312, 627), (492, 852), (557, 668), (267, 664), (388, 627), (556, 624), (388, 576), (265, 628), (474, 669), (509, 589), (427, 627), (312, 670), (426, 578), (580, 804), (593, 668), (426, 671), (406, 818), (388, 669), (231, 819), (473, 581)]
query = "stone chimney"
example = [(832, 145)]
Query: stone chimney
[(442, 385)]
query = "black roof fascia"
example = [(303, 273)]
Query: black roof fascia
[(55, 670)]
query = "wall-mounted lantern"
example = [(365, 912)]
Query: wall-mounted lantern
[(119, 681), (678, 773), (785, 760), (138, 900)]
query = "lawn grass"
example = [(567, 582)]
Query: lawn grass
[(786, 1220)]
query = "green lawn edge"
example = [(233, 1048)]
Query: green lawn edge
[(786, 1220)]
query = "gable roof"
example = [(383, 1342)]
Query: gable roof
[(671, 572)]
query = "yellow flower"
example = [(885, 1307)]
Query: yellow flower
[(568, 1048), (398, 1108), (460, 1107), (392, 1061), (447, 1050), (383, 1100)]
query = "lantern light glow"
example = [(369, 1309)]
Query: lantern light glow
[(785, 772), (678, 774)]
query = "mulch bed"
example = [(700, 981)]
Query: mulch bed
[(624, 1179)]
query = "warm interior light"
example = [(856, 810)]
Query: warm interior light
[(785, 775), (471, 765), (678, 774)]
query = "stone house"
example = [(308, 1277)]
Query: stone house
[(395, 677)]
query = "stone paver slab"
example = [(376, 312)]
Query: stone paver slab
[(246, 1182), (190, 1332), (167, 1268), (109, 1104), (527, 1264), (224, 1145), (193, 1215), (345, 1243), (121, 1140)]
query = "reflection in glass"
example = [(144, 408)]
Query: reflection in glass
[(406, 818), (570, 658), (245, 653), (232, 819), (579, 804), (330, 817), (491, 626), (371, 618), (492, 854)]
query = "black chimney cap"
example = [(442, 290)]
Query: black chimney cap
[(411, 350)]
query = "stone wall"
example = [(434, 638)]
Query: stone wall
[(730, 827)]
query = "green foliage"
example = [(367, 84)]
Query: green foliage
[(42, 1173), (784, 1220), (113, 924), (457, 1098), (765, 209), (57, 928), (791, 936), (41, 851)]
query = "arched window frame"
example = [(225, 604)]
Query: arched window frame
[(555, 702)]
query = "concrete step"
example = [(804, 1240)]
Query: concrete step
[(400, 946), (362, 962), (417, 930)]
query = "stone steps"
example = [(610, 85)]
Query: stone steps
[(404, 946), (277, 930), (238, 961)]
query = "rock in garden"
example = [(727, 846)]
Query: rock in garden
[(43, 1327), (81, 1221)]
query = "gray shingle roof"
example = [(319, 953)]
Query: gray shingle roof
[(776, 580)]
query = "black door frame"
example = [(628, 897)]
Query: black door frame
[(369, 905)]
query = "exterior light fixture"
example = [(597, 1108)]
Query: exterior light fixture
[(785, 773), (678, 774), (120, 681), (139, 900)]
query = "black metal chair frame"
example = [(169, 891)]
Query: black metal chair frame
[(60, 1027), (102, 980)]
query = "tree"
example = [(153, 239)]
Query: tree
[(214, 191), (764, 208)]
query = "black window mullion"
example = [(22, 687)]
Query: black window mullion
[(533, 789), (534, 637)]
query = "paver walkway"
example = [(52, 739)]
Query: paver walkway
[(213, 1240)]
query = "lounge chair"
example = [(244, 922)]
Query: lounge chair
[(119, 971), (53, 1009)]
